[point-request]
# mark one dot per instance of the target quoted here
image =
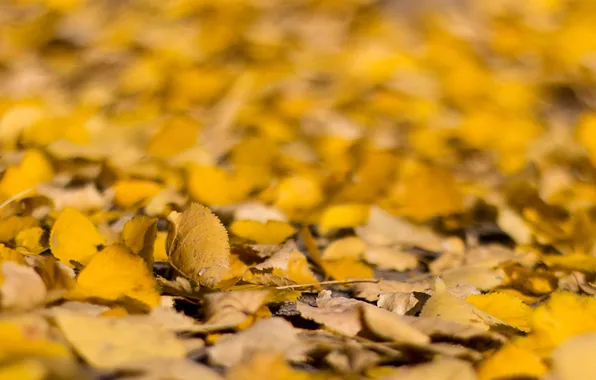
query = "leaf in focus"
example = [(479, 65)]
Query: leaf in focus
[(138, 235), (198, 245), (74, 237), (130, 339), (114, 273), (270, 232)]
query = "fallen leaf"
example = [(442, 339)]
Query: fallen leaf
[(266, 365), (74, 237), (21, 288), (397, 302), (371, 291), (350, 247), (171, 369), (343, 216), (382, 229), (269, 232), (116, 342), (343, 269), (139, 236), (114, 273), (512, 360), (572, 359), (338, 314), (504, 307), (438, 369), (231, 308), (390, 258), (273, 335), (445, 305), (390, 326), (198, 245)]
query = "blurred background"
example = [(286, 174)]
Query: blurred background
[(426, 108)]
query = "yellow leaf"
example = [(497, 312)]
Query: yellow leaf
[(159, 248), (128, 193), (572, 261), (214, 186), (12, 225), (114, 273), (112, 342), (564, 315), (266, 365), (350, 247), (9, 254), (198, 245), (23, 370), (506, 307), (298, 192), (28, 337), (74, 237), (512, 361), (423, 191), (33, 170), (31, 240), (176, 135), (343, 216), (343, 269), (298, 269), (139, 236), (270, 232)]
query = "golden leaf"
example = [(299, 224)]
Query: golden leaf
[(114, 273), (130, 339), (139, 236), (74, 237), (505, 307), (270, 232), (198, 245)]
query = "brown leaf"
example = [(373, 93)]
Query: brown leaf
[(198, 245)]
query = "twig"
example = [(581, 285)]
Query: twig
[(15, 197), (334, 282)]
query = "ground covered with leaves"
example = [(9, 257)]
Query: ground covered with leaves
[(297, 189)]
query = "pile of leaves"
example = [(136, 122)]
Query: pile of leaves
[(297, 189)]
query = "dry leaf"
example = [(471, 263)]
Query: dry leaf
[(390, 326), (117, 342), (338, 314), (445, 305), (231, 308), (438, 369), (267, 335), (171, 369), (573, 359), (198, 245), (371, 291), (269, 232), (397, 302), (512, 361), (21, 288)]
